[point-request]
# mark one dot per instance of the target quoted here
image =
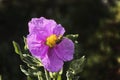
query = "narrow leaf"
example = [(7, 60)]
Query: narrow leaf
[(31, 61), (25, 47), (23, 70), (29, 78), (17, 48), (0, 77), (77, 65), (72, 36), (59, 77)]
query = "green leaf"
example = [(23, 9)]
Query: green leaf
[(29, 78), (25, 47), (39, 75), (28, 71), (59, 77), (31, 61), (56, 75), (0, 77), (22, 68), (59, 74), (72, 36), (17, 48), (77, 65), (69, 75)]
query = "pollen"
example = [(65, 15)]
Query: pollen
[(51, 40)]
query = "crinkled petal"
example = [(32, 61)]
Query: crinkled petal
[(36, 46), (65, 49), (50, 25), (36, 26), (59, 30), (35, 23), (42, 25), (52, 62)]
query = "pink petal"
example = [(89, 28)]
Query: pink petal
[(65, 49), (50, 25), (42, 24), (52, 62), (36, 46), (59, 30), (35, 23)]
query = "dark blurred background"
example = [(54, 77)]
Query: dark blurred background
[(96, 21)]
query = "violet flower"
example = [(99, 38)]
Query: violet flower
[(45, 41)]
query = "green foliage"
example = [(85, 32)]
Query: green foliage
[(24, 71), (72, 36), (0, 77), (17, 48), (31, 61), (28, 59), (76, 66), (33, 64)]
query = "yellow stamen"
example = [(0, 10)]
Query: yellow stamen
[(51, 40)]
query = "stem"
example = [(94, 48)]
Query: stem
[(39, 76), (53, 78), (46, 74), (0, 77), (69, 78), (59, 77)]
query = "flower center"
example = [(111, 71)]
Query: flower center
[(51, 40)]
